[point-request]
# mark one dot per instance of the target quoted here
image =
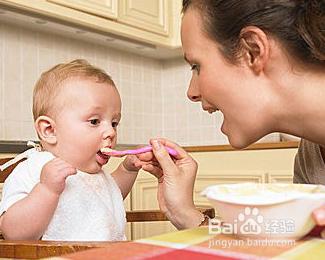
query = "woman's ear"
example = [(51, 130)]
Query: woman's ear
[(45, 127), (255, 48)]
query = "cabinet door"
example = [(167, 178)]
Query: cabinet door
[(104, 8), (144, 196), (280, 177), (149, 15)]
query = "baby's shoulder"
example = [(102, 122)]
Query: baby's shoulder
[(36, 160), (30, 168)]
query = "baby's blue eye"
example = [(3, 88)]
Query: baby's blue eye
[(94, 121), (114, 124)]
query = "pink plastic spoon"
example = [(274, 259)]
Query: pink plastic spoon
[(145, 149)]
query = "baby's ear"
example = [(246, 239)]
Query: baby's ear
[(45, 128)]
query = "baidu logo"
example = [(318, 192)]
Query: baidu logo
[(251, 222)]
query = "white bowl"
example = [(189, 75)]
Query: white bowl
[(271, 211)]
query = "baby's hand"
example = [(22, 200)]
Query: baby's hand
[(145, 161), (135, 162), (132, 163), (54, 174)]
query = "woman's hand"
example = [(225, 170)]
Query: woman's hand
[(176, 178), (319, 218)]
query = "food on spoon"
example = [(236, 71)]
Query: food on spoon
[(112, 152)]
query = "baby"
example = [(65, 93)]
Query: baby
[(61, 192)]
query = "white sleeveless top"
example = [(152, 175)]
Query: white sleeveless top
[(90, 208)]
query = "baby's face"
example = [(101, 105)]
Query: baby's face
[(87, 121)]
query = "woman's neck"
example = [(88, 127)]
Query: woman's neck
[(302, 105)]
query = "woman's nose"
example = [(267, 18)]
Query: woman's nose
[(192, 93)]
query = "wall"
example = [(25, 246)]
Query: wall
[(185, 121), (153, 92), (25, 53)]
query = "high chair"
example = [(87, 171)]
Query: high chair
[(40, 249)]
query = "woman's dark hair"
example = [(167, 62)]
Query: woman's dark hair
[(298, 24)]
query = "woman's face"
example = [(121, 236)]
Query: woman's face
[(234, 90)]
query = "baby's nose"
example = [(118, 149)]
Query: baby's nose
[(109, 132)]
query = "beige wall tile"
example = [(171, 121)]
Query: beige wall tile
[(12, 130), (153, 92), (1, 79), (27, 131), (2, 134)]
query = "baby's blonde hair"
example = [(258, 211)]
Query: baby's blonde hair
[(50, 83)]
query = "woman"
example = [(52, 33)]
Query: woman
[(261, 64)]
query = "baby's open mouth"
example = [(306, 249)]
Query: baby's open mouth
[(104, 156), (101, 158)]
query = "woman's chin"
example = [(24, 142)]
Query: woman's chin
[(237, 139), (238, 142)]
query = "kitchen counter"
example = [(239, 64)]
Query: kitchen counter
[(20, 146), (256, 146)]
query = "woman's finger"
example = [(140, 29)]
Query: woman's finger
[(319, 216), (162, 156), (181, 152)]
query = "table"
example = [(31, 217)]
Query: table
[(197, 243), (36, 249)]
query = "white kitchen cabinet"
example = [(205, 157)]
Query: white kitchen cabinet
[(156, 23), (150, 15), (104, 8)]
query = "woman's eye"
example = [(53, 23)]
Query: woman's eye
[(114, 124), (94, 121), (195, 67)]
